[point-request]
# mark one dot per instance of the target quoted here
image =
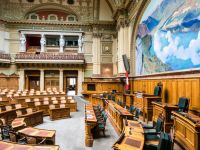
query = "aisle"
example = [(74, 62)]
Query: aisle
[(70, 132)]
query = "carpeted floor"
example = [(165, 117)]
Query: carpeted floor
[(70, 133)]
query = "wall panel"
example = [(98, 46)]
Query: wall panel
[(172, 89)]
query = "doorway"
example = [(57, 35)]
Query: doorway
[(71, 86), (34, 82)]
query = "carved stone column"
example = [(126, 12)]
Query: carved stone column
[(22, 43), (41, 80), (62, 43), (96, 48), (80, 44), (21, 79), (80, 80), (43, 42), (61, 81)]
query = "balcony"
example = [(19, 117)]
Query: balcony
[(49, 58), (5, 58)]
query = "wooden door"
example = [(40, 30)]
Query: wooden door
[(34, 83)]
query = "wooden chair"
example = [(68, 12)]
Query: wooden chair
[(55, 102), (36, 100), (46, 98), (17, 106), (52, 106), (164, 143), (19, 113), (62, 106), (183, 104), (37, 103), (63, 101), (53, 98), (62, 98), (29, 110), (8, 108), (27, 100), (46, 102)]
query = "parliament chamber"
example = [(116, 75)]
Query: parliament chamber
[(99, 74)]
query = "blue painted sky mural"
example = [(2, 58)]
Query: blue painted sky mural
[(168, 37)]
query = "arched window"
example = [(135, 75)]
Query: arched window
[(71, 18), (52, 17), (71, 2), (33, 17)]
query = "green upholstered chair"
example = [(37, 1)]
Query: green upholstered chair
[(183, 104)]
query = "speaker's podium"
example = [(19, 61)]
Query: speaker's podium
[(144, 101)]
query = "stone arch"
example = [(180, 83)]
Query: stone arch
[(51, 6)]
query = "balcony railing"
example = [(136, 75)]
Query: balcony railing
[(50, 58), (5, 58)]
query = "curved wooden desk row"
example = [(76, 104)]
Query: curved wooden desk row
[(10, 115), (90, 123), (132, 137), (117, 114), (187, 130), (38, 134), (45, 107), (59, 113), (13, 146)]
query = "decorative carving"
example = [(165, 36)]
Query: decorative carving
[(107, 48), (22, 43)]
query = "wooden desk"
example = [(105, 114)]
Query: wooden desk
[(39, 134), (166, 110), (33, 119), (59, 113), (144, 102), (187, 130), (129, 99), (18, 124), (117, 114), (13, 146), (132, 137), (90, 123), (10, 115)]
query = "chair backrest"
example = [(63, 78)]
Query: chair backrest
[(27, 100), (62, 105), (8, 108), (46, 98), (159, 125), (132, 109), (137, 113), (29, 110), (19, 113), (183, 104), (157, 91), (62, 98), (55, 102), (37, 103), (113, 98), (36, 100), (165, 142), (17, 106), (52, 106), (53, 98), (109, 97), (63, 101), (46, 102)]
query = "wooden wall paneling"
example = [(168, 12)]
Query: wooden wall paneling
[(181, 89), (173, 89), (173, 92), (195, 95)]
